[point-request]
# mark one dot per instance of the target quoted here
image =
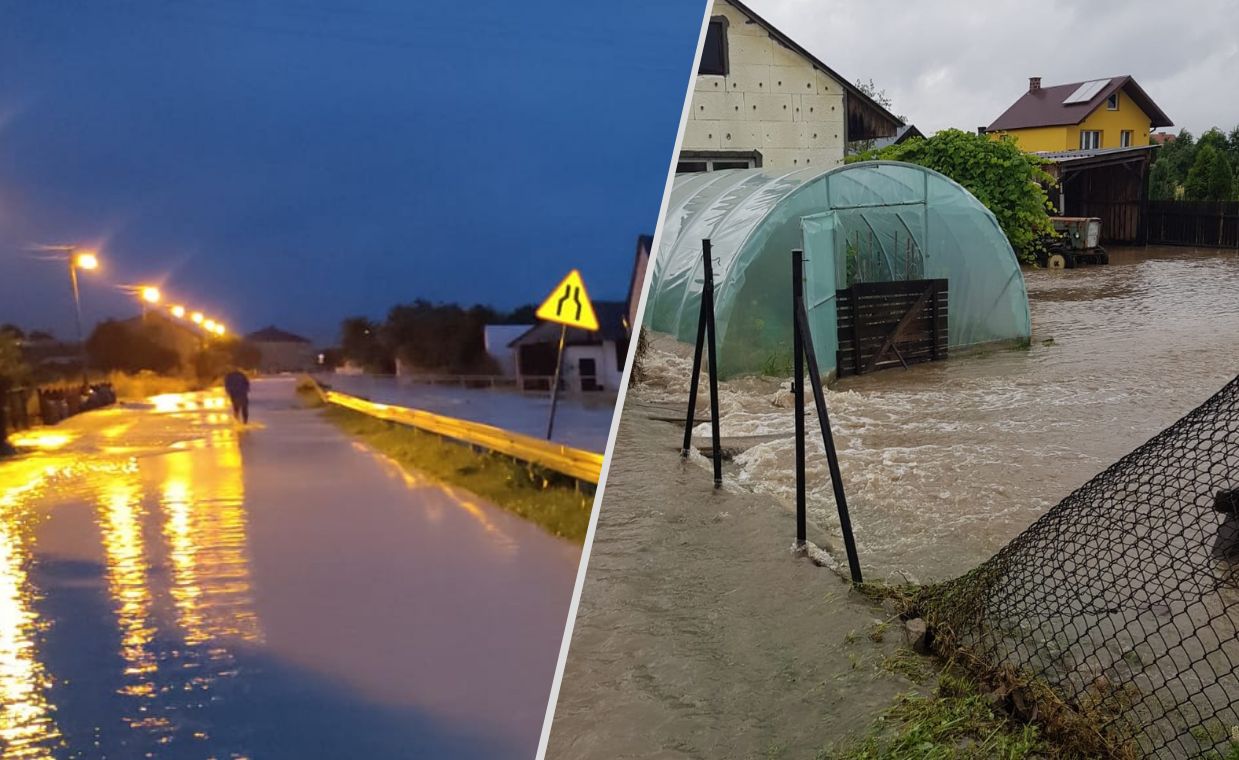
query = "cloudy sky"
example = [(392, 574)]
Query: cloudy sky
[(961, 63), (298, 161)]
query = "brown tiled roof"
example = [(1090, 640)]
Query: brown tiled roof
[(1045, 107)]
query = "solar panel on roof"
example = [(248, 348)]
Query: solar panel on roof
[(1086, 92)]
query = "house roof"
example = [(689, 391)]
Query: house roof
[(1045, 107), (612, 316), (641, 258), (905, 132), (867, 119), (273, 334), (1066, 156)]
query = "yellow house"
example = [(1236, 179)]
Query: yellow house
[(1092, 115)]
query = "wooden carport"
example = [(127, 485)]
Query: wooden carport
[(1110, 184)]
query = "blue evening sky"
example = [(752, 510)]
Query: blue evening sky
[(298, 161)]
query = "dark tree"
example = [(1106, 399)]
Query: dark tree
[(1211, 176), (360, 344), (126, 347)]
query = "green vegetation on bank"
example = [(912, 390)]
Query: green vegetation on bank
[(542, 498), (956, 721)]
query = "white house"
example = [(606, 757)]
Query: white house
[(760, 99), (593, 360)]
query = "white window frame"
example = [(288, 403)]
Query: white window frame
[(1112, 102), (1090, 144), (1125, 138)]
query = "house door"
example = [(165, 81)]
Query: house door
[(588, 370)]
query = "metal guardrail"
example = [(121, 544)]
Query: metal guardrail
[(576, 463)]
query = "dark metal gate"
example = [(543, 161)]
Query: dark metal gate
[(889, 324)]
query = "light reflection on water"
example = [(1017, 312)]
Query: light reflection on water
[(171, 532), (27, 729)]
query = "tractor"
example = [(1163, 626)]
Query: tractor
[(1074, 242)]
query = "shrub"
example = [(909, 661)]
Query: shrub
[(1009, 182)]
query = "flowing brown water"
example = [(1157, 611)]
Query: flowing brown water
[(944, 463)]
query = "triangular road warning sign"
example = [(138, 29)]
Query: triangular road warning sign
[(568, 304)]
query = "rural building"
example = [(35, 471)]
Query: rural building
[(1110, 184), (498, 341), (1095, 115), (1097, 137), (593, 360), (760, 99), (640, 263), (903, 134), (282, 351)]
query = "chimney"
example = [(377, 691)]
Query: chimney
[(1034, 84)]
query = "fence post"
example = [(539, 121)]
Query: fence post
[(832, 456), (706, 334), (798, 392)]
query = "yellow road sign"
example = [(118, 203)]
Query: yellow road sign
[(568, 304)]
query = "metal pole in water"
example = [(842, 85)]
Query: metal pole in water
[(798, 391), (696, 374), (709, 306), (559, 363), (832, 457)]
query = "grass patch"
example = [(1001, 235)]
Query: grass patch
[(542, 497), (957, 721), (912, 666)]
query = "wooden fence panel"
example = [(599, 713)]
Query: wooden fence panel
[(891, 324), (1208, 224)]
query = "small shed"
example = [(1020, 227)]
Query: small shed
[(593, 360), (868, 222), (1111, 184)]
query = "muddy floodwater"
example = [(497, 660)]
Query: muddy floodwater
[(945, 462)]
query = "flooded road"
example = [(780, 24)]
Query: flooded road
[(173, 586), (944, 463)]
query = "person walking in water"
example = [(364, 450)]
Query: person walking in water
[(237, 386)]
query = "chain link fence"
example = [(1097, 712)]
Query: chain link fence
[(1112, 620)]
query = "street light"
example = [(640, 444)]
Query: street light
[(85, 260), (151, 294), (78, 258), (178, 311), (197, 317)]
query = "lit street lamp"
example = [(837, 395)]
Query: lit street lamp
[(197, 317), (178, 311), (78, 258)]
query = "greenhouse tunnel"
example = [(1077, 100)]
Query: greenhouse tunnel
[(874, 221)]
